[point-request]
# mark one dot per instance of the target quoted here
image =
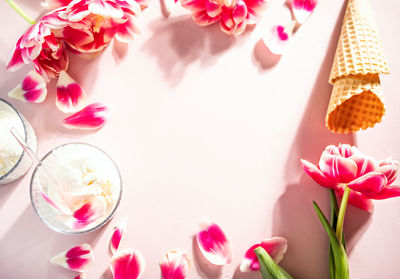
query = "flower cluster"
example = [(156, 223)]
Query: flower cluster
[(82, 27), (232, 15)]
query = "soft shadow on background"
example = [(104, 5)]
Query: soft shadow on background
[(294, 216), (188, 43), (7, 190), (246, 275), (31, 4), (263, 58), (204, 268), (28, 238)]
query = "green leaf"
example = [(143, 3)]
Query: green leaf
[(341, 266), (268, 267)]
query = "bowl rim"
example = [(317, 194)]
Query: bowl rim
[(25, 138), (98, 226)]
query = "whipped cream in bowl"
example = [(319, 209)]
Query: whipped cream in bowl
[(88, 186), (13, 161)]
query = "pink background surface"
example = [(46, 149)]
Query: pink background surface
[(210, 127)]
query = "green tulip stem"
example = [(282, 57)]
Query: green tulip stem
[(20, 11), (342, 213)]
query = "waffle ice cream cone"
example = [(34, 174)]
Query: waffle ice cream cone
[(357, 101)]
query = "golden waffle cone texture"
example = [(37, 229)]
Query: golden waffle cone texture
[(359, 50), (357, 101)]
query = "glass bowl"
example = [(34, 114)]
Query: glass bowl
[(22, 163), (67, 165)]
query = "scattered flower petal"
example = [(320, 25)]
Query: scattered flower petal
[(127, 264), (302, 9), (78, 258), (32, 89), (278, 37), (119, 230), (214, 244), (275, 247), (81, 276), (175, 265), (70, 95), (88, 213), (93, 116)]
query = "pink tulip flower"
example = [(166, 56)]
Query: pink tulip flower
[(345, 166), (39, 46), (232, 15), (92, 24)]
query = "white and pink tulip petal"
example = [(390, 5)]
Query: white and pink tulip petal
[(32, 89), (88, 213), (387, 193), (213, 8), (214, 244), (365, 164), (127, 264), (53, 21), (390, 168), (316, 174), (93, 116), (108, 9), (81, 276), (78, 258), (203, 19), (370, 183), (276, 247), (129, 30), (302, 9), (15, 61), (345, 150), (70, 95), (116, 237), (357, 199), (175, 265), (337, 168), (239, 13), (278, 38)]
